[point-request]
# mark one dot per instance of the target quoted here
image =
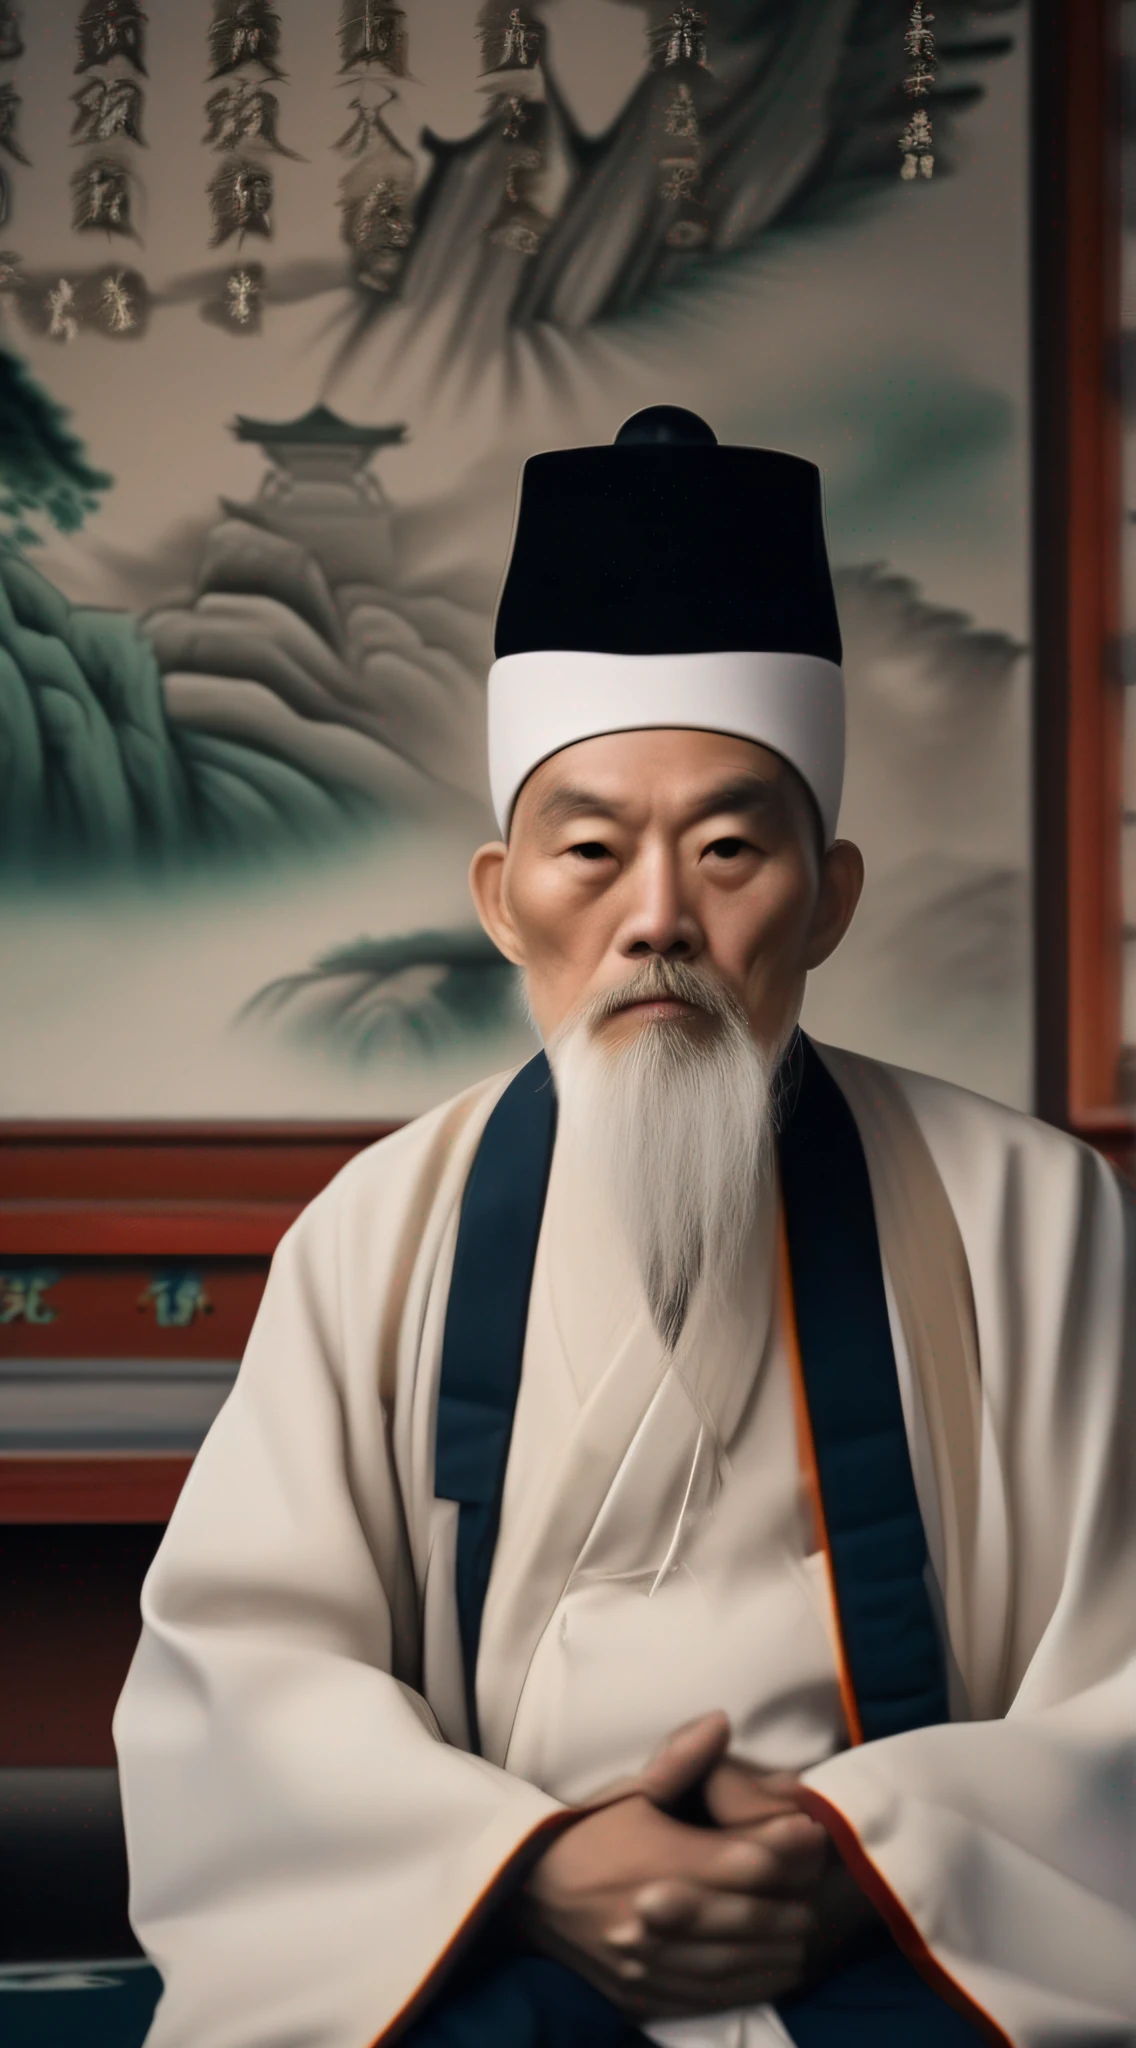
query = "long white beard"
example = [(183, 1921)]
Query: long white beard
[(678, 1122)]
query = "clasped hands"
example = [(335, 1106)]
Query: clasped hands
[(669, 1920)]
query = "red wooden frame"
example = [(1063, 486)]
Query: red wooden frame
[(125, 1193), (1077, 526), (1096, 689), (95, 1489), (97, 1190)]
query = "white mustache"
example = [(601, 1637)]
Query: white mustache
[(659, 980)]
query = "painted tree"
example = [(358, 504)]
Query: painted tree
[(44, 470)]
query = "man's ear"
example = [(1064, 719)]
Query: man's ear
[(487, 887), (841, 880)]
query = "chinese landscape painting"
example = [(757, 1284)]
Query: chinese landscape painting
[(287, 295)]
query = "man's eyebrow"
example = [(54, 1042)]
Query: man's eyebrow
[(746, 793), (743, 793), (572, 801)]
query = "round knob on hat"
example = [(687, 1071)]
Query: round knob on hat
[(659, 425)]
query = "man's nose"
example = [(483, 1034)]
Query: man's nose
[(660, 919)]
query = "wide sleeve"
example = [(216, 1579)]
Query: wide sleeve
[(1003, 1850), (304, 1847)]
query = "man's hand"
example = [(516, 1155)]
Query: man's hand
[(669, 1920), (746, 1801)]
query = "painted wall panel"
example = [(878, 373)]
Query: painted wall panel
[(241, 704)]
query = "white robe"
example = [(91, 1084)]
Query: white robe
[(307, 1834)]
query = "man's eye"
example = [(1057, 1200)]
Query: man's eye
[(729, 849), (591, 849)]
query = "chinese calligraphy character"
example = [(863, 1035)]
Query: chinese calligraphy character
[(523, 122), (119, 308), (21, 1297), (241, 200), (375, 220), (244, 32), (243, 291), (511, 38), (680, 176), (108, 108), (919, 40), (10, 104), (682, 115), (177, 1299), (244, 113), (101, 193), (368, 131), (518, 224), (917, 164), (370, 33), (681, 38), (522, 42), (11, 32), (919, 81), (111, 28), (60, 302)]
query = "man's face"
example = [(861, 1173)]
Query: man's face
[(677, 845)]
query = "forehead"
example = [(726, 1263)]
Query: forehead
[(663, 770)]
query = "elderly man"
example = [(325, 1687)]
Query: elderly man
[(666, 1569)]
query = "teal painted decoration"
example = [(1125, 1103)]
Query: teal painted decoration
[(22, 1296), (177, 1299)]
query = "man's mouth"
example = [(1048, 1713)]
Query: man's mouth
[(664, 1008), (645, 1012)]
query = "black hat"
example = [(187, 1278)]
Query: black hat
[(667, 545)]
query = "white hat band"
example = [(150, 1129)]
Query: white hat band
[(542, 701)]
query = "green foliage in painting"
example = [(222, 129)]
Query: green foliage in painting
[(44, 471), (416, 993), (95, 777)]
